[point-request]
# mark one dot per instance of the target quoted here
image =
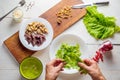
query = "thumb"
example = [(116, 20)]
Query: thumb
[(82, 65), (60, 66)]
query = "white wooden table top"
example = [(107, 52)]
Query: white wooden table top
[(9, 68)]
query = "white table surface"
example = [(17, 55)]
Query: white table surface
[(9, 67)]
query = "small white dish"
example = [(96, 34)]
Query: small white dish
[(48, 36), (69, 39)]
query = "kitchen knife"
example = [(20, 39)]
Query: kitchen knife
[(102, 2)]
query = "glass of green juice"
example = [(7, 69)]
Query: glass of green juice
[(31, 68)]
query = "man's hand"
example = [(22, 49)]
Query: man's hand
[(53, 68), (92, 68)]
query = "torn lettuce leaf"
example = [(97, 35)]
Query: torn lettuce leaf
[(98, 25), (71, 55)]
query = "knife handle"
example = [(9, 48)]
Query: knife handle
[(101, 2)]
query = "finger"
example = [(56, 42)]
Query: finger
[(81, 73), (52, 62), (88, 62), (58, 61), (60, 67), (82, 65), (64, 63)]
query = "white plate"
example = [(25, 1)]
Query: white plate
[(48, 36), (72, 40)]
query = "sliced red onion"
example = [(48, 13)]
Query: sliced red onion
[(105, 47)]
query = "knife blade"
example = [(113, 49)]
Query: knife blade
[(102, 2)]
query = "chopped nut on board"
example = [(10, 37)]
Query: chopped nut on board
[(64, 13)]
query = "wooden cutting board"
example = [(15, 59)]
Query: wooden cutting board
[(20, 52)]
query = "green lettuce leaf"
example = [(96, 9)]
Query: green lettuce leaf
[(71, 55), (98, 25)]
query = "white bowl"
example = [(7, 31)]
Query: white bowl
[(48, 36), (72, 40)]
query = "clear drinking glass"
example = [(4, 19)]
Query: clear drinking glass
[(17, 15)]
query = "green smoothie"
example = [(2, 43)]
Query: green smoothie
[(31, 68)]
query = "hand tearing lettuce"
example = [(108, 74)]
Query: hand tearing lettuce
[(71, 55), (98, 25)]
